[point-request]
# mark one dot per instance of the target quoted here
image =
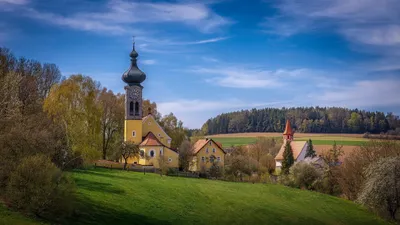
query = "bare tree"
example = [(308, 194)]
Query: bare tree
[(185, 155)]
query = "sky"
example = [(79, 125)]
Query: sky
[(203, 58)]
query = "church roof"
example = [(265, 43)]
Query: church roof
[(202, 142), (151, 140), (133, 76), (144, 119), (288, 129), (297, 147)]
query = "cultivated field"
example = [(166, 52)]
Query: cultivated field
[(229, 140)]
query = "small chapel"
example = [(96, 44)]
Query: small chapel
[(299, 148), (153, 141)]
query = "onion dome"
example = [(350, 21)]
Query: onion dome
[(133, 76)]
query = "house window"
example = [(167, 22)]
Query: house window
[(212, 159), (131, 108), (152, 153), (161, 151), (141, 153), (203, 159), (133, 133), (136, 108), (213, 150), (207, 150), (209, 143), (218, 159), (169, 159), (159, 134)]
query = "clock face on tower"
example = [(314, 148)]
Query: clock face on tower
[(134, 93)]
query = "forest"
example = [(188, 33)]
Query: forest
[(305, 120)]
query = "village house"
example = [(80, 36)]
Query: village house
[(206, 152)]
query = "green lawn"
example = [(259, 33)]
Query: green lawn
[(236, 141), (119, 197), (10, 218)]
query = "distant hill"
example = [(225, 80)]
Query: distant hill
[(304, 119)]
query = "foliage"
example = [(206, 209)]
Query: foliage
[(381, 190), (329, 183), (310, 150), (128, 149), (185, 155), (304, 175), (352, 174), (288, 158), (304, 119), (37, 186), (73, 104), (174, 129), (162, 164), (215, 170)]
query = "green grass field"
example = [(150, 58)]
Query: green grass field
[(119, 197), (10, 218), (237, 141)]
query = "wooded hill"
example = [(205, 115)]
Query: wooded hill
[(304, 119)]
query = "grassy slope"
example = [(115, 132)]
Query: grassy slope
[(119, 197), (9, 218)]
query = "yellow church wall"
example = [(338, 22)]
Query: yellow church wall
[(130, 126), (197, 162), (148, 160), (151, 125)]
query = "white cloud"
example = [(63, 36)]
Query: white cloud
[(121, 15), (380, 35), (245, 77), (209, 59), (365, 93), (194, 112), (14, 2), (148, 61)]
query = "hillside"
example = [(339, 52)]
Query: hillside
[(119, 197)]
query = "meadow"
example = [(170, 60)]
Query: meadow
[(229, 140), (108, 196)]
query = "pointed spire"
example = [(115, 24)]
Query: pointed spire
[(288, 133)]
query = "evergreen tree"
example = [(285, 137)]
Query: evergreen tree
[(288, 159), (310, 150)]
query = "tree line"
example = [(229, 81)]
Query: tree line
[(50, 124), (304, 119)]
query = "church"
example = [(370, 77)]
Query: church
[(299, 148), (153, 141)]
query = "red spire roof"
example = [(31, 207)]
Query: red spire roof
[(288, 129)]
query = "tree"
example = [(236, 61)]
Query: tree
[(215, 170), (162, 164), (381, 191), (288, 158), (128, 149), (174, 128), (330, 181), (304, 175), (310, 150), (74, 105), (185, 155), (111, 120)]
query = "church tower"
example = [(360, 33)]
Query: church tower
[(288, 133), (133, 77)]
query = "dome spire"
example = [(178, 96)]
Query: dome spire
[(133, 76)]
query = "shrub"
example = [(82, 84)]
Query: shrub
[(304, 175), (37, 186)]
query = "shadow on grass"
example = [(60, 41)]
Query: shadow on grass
[(90, 212), (105, 173), (98, 186)]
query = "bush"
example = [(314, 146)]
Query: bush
[(37, 186), (304, 175)]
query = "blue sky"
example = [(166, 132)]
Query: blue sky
[(206, 57)]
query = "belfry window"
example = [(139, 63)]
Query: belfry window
[(136, 108), (131, 108)]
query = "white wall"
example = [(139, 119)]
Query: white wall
[(302, 154)]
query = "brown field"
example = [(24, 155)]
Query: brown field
[(320, 149)]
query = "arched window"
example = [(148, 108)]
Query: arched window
[(136, 108), (131, 108), (152, 153)]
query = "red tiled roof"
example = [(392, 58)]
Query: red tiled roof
[(151, 140), (297, 146), (288, 129)]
